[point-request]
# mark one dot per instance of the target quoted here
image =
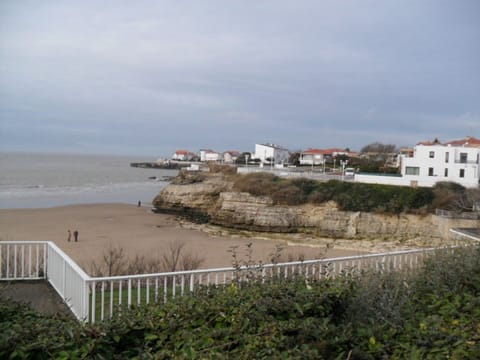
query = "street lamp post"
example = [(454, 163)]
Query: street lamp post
[(343, 163)]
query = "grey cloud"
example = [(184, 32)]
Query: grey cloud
[(162, 75)]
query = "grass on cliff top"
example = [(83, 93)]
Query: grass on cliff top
[(349, 196), (433, 313)]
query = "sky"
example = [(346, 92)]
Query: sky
[(149, 77)]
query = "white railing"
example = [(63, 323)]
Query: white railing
[(290, 173), (467, 215), (23, 260), (92, 299), (69, 280), (36, 260)]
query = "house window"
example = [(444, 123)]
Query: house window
[(432, 154), (462, 173), (446, 156), (463, 158), (430, 171), (446, 172), (412, 170)]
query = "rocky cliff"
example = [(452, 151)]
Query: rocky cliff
[(213, 200)]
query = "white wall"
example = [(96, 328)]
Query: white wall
[(307, 159), (443, 167), (263, 152), (381, 179)]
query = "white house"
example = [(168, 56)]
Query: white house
[(431, 162), (230, 156), (268, 153), (183, 155), (456, 161), (209, 155), (312, 157)]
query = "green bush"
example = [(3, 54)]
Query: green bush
[(428, 314), (349, 196)]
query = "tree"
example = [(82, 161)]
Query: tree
[(379, 149), (294, 158), (242, 158)]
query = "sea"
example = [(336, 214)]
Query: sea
[(41, 180)]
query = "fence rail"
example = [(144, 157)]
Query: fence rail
[(467, 215), (295, 173), (22, 260), (92, 299)]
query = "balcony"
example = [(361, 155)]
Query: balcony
[(466, 162)]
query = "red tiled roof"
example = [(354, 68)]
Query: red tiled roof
[(469, 141), (428, 143), (313, 151), (182, 152), (335, 150)]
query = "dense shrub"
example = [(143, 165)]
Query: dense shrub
[(446, 194), (430, 314), (349, 196), (215, 168), (257, 184)]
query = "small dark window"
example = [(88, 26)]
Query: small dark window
[(463, 158), (462, 173), (432, 154), (447, 156), (430, 171), (446, 172)]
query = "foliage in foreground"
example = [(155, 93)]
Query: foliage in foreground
[(432, 314)]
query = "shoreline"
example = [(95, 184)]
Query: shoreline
[(140, 232)]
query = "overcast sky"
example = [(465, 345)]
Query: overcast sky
[(149, 77)]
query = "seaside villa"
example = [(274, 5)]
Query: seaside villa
[(271, 154), (431, 162)]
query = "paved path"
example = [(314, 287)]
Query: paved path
[(38, 294)]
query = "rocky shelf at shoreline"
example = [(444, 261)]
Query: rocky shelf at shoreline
[(212, 200), (166, 165)]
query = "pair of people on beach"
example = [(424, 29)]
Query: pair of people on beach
[(75, 235)]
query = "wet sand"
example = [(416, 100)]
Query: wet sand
[(140, 232)]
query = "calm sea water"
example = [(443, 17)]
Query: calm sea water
[(46, 180)]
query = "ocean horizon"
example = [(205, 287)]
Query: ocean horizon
[(41, 180)]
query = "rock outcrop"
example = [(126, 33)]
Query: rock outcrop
[(214, 201)]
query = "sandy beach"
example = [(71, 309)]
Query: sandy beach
[(140, 232)]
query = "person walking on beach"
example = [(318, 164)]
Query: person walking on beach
[(69, 236), (75, 235)]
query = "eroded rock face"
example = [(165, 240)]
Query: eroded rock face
[(214, 201), (244, 211), (194, 199)]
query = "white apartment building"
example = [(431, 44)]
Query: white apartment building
[(431, 162), (455, 161), (209, 155), (268, 152)]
